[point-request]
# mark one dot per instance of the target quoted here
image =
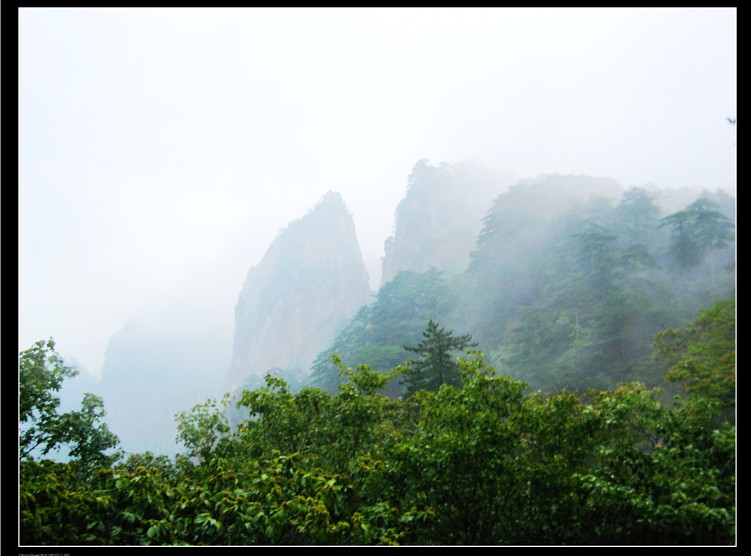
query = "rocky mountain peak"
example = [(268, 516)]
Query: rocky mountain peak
[(437, 222), (311, 280)]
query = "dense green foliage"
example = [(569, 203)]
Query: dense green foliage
[(485, 461), (377, 333), (701, 356)]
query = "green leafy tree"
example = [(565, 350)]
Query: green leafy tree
[(437, 364), (657, 476), (42, 428), (201, 429), (57, 500), (701, 356)]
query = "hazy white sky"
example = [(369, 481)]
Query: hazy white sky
[(161, 150)]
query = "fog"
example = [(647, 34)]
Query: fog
[(162, 150)]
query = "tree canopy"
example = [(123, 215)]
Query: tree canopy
[(482, 462)]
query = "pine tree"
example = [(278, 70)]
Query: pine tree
[(697, 229), (436, 365)]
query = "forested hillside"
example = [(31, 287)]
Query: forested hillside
[(485, 462), (569, 292), (570, 280), (574, 384)]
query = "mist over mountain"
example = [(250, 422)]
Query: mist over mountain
[(520, 229), (163, 361), (574, 277), (511, 321), (437, 223), (179, 352), (565, 285), (581, 294), (564, 280), (300, 295)]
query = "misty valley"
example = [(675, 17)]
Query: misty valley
[(547, 361)]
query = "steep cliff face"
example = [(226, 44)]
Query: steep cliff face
[(309, 283), (440, 217)]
